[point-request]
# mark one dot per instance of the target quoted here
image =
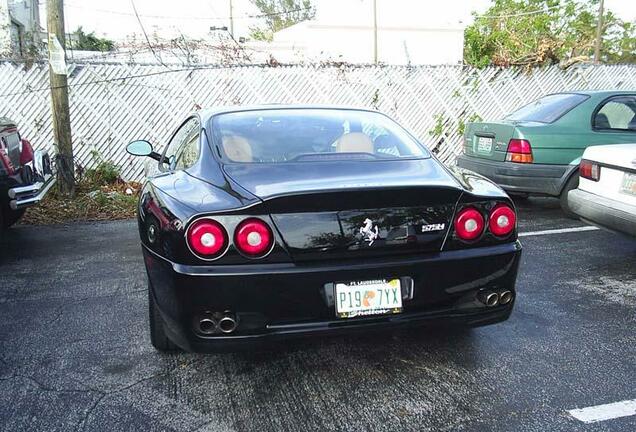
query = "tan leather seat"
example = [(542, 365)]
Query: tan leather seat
[(354, 142), (237, 148)]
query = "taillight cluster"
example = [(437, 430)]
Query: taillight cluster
[(26, 152), (253, 237), (590, 170), (502, 220), (519, 151), (208, 239), (470, 224)]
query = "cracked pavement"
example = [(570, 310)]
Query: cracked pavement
[(75, 353)]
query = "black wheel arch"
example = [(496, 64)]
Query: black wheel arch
[(569, 174)]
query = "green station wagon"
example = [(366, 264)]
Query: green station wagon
[(537, 149)]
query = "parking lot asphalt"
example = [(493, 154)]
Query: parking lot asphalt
[(75, 352)]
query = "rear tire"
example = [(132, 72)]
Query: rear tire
[(158, 336), (571, 184), (9, 217)]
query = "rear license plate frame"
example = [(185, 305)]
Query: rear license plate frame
[(628, 184), (484, 144), (377, 287)]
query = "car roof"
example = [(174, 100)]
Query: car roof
[(601, 93), (207, 113)]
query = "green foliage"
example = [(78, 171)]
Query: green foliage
[(261, 34), (89, 42), (622, 43), (438, 127), (104, 173), (511, 32), (461, 124), (443, 125), (375, 101), (112, 200), (280, 14)]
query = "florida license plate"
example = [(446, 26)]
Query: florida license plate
[(372, 297), (484, 144), (629, 184)]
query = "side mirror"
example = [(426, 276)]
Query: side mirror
[(142, 148), (139, 148)]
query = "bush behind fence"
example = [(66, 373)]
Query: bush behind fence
[(112, 104)]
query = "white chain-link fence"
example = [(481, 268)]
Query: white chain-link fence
[(112, 104)]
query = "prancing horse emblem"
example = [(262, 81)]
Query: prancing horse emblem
[(369, 231)]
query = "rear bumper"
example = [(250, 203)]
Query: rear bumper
[(527, 178), (607, 213), (273, 302), (25, 196)]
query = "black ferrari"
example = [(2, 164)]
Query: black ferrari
[(271, 222)]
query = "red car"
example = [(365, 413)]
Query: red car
[(25, 174)]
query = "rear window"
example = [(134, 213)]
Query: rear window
[(618, 113), (547, 109), (297, 135)]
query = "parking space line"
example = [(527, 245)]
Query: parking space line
[(558, 231), (605, 412)]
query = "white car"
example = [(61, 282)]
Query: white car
[(606, 195)]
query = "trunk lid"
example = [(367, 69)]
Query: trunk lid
[(488, 140), (339, 210)]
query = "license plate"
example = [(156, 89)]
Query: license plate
[(484, 144), (372, 297), (629, 184)]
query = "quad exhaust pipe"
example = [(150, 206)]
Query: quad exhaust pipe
[(493, 298), (505, 297), (489, 298), (209, 323), (228, 323)]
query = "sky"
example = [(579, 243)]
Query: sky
[(116, 20)]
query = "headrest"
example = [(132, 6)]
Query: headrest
[(237, 148), (354, 142), (601, 121)]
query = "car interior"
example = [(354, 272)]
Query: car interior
[(280, 138)]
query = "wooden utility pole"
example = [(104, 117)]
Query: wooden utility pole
[(375, 31), (599, 34), (59, 99), (231, 20)]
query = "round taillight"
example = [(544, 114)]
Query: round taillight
[(253, 237), (469, 224), (502, 220), (207, 238)]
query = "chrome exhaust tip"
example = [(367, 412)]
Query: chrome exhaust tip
[(505, 297), (489, 299), (207, 325), (227, 324)]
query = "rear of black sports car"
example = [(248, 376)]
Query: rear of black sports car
[(239, 252)]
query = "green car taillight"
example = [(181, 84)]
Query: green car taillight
[(519, 151)]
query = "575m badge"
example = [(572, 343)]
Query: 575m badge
[(433, 227)]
